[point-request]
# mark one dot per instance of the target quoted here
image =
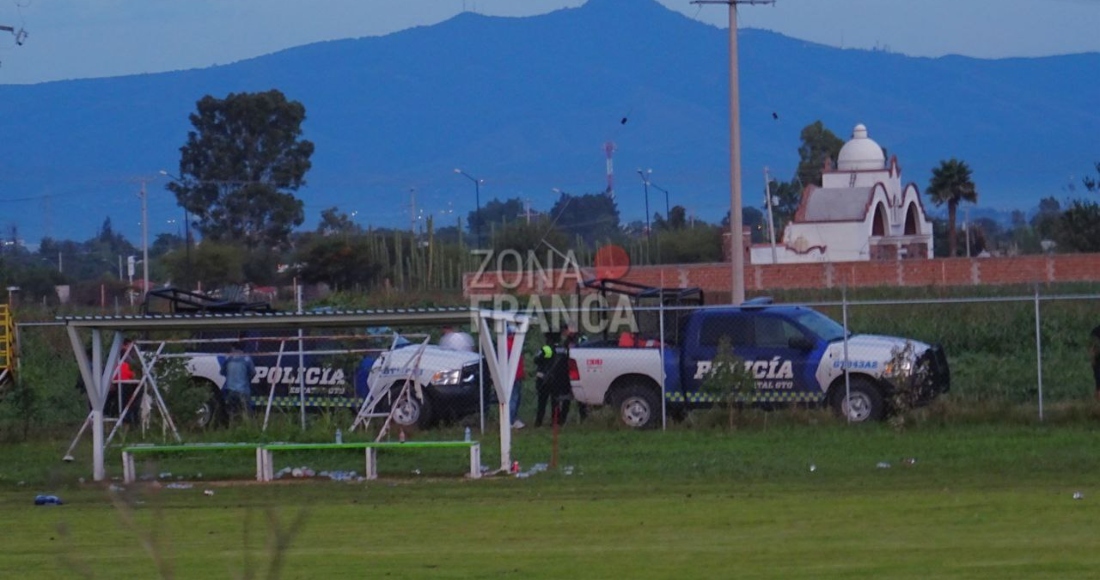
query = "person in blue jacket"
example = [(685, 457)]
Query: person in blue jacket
[(238, 370)]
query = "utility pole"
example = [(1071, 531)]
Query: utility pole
[(668, 212), (526, 210), (737, 251), (144, 240), (966, 228), (477, 194), (645, 182), (412, 210), (771, 220)]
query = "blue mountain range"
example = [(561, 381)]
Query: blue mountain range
[(527, 105)]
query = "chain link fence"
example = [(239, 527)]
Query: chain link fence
[(649, 366)]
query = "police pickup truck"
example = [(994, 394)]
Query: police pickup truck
[(794, 354), (446, 383)]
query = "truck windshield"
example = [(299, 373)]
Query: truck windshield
[(824, 327)]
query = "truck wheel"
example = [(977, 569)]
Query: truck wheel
[(639, 406), (410, 412), (863, 404)]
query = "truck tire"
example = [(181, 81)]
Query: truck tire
[(638, 406), (411, 412), (866, 403)]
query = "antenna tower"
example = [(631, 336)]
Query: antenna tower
[(609, 150)]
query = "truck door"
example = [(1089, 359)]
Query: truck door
[(698, 354), (777, 366)]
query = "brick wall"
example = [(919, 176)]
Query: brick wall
[(715, 278)]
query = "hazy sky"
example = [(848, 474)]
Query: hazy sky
[(94, 38)]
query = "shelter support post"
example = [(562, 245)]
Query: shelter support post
[(503, 364)]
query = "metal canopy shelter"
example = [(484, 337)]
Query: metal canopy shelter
[(97, 370)]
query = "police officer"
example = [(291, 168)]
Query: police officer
[(545, 375), (564, 394)]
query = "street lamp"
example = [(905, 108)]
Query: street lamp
[(645, 181), (769, 202), (144, 240), (668, 212), (477, 193), (186, 226)]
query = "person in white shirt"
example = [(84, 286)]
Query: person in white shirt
[(456, 340)]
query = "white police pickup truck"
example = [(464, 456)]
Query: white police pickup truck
[(446, 386), (795, 355), (330, 374)]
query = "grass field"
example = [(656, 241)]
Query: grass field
[(976, 501)]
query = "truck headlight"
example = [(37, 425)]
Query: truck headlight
[(898, 368), (447, 378), (461, 376)]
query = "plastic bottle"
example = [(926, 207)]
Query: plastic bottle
[(467, 434), (47, 500), (339, 437)]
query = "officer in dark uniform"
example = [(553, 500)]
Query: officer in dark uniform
[(564, 394), (544, 377)]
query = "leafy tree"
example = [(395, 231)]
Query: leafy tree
[(1047, 220), (341, 263), (523, 237), (1091, 183), (212, 265), (495, 213), (786, 197), (700, 244), (334, 221), (951, 184), (677, 217), (756, 222), (1079, 227), (165, 243), (593, 216), (818, 144), (241, 165)]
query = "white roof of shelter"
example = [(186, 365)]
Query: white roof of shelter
[(282, 320), (835, 204)]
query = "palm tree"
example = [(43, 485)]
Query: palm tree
[(951, 184)]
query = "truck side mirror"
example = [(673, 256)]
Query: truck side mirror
[(801, 343)]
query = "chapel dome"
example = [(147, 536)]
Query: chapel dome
[(860, 153)]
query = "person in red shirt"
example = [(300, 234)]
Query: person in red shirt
[(121, 387), (517, 388)]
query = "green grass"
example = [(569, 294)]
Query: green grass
[(979, 501)]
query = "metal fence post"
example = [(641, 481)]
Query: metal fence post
[(661, 345), (1038, 352), (481, 383), (847, 367)]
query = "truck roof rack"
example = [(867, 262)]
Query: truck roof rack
[(667, 296), (178, 301), (758, 302)]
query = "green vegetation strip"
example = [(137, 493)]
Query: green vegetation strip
[(366, 444), (184, 448), (776, 501)]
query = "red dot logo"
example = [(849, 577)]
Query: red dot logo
[(612, 262)]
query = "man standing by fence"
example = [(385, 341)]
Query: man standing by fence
[(238, 370)]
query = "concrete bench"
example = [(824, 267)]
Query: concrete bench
[(129, 475), (265, 462)]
